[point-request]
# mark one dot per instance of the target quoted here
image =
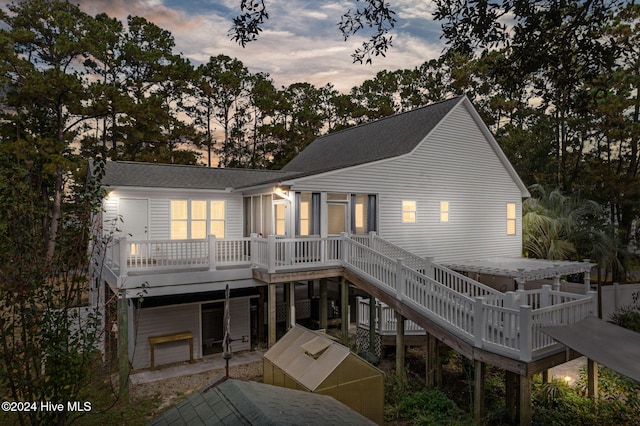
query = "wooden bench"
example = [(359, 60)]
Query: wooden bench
[(154, 340)]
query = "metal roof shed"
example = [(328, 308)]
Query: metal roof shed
[(306, 360)]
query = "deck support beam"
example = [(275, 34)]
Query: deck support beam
[(123, 344), (479, 372), (592, 379), (271, 302), (323, 305), (261, 324), (526, 412), (290, 295), (344, 310), (372, 324), (400, 346), (511, 395), (432, 362)]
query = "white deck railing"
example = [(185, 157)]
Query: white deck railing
[(507, 323), (385, 319), (498, 322), (126, 255)]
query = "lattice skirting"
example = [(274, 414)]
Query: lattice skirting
[(362, 342)]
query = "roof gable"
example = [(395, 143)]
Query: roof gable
[(389, 138), (385, 138), (291, 354)]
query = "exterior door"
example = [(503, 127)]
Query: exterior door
[(135, 221), (337, 220), (280, 211)]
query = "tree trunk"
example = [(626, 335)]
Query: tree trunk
[(56, 213)]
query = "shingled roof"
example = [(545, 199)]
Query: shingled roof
[(238, 402), (154, 175), (386, 138)]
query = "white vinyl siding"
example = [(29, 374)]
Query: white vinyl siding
[(160, 210), (179, 318), (454, 163), (166, 320)]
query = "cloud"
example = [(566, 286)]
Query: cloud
[(300, 42)]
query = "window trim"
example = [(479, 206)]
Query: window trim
[(189, 220), (445, 211), (512, 222), (409, 214)]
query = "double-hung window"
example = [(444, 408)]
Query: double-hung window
[(444, 211), (195, 219), (511, 218), (409, 211)]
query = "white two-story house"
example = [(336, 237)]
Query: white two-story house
[(432, 183)]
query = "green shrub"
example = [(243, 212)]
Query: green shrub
[(431, 407), (557, 404)]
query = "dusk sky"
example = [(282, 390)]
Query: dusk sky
[(299, 43)]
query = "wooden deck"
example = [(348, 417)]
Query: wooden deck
[(481, 323)]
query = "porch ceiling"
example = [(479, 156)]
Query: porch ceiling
[(607, 344), (521, 267)]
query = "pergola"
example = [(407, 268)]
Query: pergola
[(523, 269)]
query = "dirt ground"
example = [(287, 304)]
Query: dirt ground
[(173, 390)]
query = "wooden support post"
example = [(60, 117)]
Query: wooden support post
[(271, 302), (290, 295), (400, 345), (526, 415), (431, 361), (479, 372), (261, 324), (123, 345), (323, 305), (372, 325), (287, 303), (438, 364), (344, 310), (310, 289), (545, 376), (511, 395), (592, 379)]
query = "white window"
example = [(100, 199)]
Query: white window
[(217, 216), (279, 219), (305, 213), (511, 218), (195, 219), (444, 211), (179, 219), (408, 211), (198, 219)]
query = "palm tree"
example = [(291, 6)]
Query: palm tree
[(561, 227)]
